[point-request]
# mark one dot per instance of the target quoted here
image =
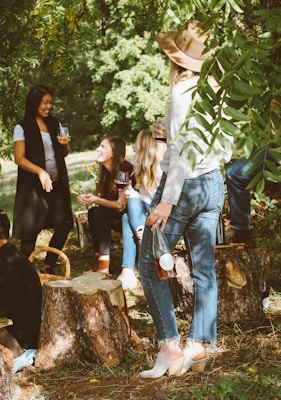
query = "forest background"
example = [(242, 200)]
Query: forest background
[(109, 77)]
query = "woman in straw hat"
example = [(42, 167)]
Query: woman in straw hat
[(187, 203)]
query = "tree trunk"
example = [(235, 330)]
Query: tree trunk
[(240, 275), (8, 389), (83, 319)]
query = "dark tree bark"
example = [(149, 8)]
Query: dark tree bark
[(83, 320)]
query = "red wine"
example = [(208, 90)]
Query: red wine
[(121, 185), (160, 139)]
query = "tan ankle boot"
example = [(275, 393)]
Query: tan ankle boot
[(103, 266)]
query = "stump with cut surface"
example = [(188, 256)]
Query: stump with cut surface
[(240, 274), (83, 320), (8, 389)]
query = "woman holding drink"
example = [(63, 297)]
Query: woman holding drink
[(42, 195), (109, 200)]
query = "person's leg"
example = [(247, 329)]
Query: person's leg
[(238, 176), (127, 275), (58, 218), (100, 225), (206, 191), (239, 198), (57, 241), (137, 212), (27, 246)]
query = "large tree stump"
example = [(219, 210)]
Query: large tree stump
[(8, 389), (240, 277), (83, 319)]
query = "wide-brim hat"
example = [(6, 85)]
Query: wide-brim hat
[(185, 47)]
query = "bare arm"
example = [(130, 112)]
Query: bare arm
[(24, 163), (89, 198)]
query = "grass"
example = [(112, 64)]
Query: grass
[(242, 365)]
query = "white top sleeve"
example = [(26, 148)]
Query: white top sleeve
[(18, 133)]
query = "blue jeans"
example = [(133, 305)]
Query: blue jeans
[(136, 215), (237, 179), (195, 216)]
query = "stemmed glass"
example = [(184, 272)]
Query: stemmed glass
[(159, 131), (122, 180)]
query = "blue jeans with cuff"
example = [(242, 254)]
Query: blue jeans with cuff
[(194, 217)]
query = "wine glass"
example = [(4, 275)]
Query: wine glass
[(159, 131), (122, 180), (84, 190), (63, 135)]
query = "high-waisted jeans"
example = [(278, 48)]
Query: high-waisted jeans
[(194, 217)]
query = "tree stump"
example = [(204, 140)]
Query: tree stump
[(83, 320), (240, 277), (8, 389)]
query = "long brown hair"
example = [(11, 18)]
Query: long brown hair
[(106, 187)]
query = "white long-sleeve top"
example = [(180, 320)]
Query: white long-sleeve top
[(176, 165)]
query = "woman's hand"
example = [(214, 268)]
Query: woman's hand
[(159, 216), (86, 199), (45, 180), (130, 192)]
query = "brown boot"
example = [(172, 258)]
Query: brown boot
[(103, 266), (244, 236)]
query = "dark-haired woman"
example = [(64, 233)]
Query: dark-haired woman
[(42, 196), (109, 201)]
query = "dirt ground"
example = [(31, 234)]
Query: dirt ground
[(236, 352)]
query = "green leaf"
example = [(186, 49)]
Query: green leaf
[(236, 114), (229, 128), (254, 181), (260, 186), (273, 177), (245, 87)]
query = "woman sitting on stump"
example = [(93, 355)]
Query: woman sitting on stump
[(109, 201)]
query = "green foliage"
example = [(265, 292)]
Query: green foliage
[(109, 76)]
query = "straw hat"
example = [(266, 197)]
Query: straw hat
[(185, 47)]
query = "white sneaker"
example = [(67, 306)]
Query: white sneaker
[(128, 279)]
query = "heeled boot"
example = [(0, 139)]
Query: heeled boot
[(161, 366), (191, 351), (103, 266)]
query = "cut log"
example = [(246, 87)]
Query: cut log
[(8, 389), (83, 320), (240, 275)]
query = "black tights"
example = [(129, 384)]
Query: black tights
[(61, 221), (58, 239), (101, 221)]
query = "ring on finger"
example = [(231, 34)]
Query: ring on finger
[(159, 221)]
